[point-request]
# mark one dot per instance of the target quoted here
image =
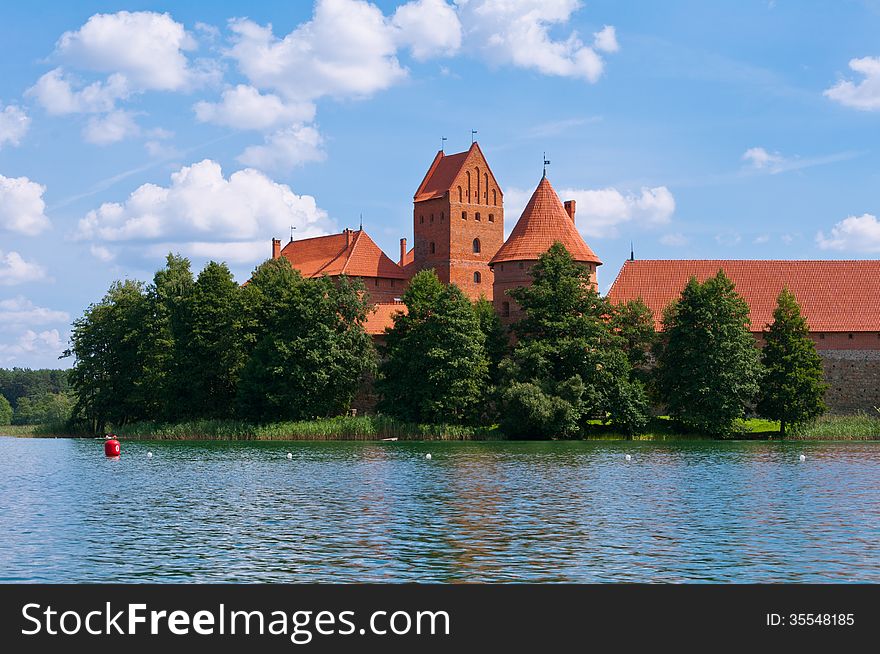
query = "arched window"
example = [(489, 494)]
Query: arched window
[(476, 246), (432, 217), (477, 216), (477, 196), (459, 194), (421, 220), (433, 248), (491, 217), (505, 309), (469, 184), (442, 215), (464, 215), (486, 187), (494, 197), (477, 278)]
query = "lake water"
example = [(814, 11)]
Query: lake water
[(346, 512)]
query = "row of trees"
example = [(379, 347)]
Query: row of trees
[(284, 347), (34, 396), (185, 347)]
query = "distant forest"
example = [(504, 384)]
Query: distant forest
[(34, 396)]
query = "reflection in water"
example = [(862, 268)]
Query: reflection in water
[(550, 512)]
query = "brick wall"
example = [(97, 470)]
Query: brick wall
[(854, 379)]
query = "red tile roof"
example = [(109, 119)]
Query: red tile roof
[(446, 168), (352, 252), (382, 316), (835, 296), (543, 222)]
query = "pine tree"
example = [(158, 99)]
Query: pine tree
[(5, 411), (708, 365), (568, 365), (435, 366), (793, 386)]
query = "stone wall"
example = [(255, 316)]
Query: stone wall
[(854, 379)]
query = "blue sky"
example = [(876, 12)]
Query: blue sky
[(696, 130)]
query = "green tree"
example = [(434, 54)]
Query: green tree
[(708, 366), (211, 352), (49, 408), (435, 367), (311, 351), (793, 386), (497, 341), (5, 411), (634, 322), (107, 377), (568, 365)]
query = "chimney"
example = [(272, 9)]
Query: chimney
[(402, 251), (570, 208), (276, 248), (347, 233)]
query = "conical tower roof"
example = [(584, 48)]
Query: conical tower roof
[(543, 222)]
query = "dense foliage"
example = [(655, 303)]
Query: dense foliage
[(569, 364), (35, 396), (793, 387), (708, 365), (184, 348), (435, 366), (5, 411)]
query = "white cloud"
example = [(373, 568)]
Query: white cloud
[(285, 149), (60, 95), (39, 348), (102, 253), (864, 95), (760, 158), (429, 28), (855, 233), (14, 125), (244, 107), (233, 252), (110, 128), (201, 206), (760, 239), (22, 209), (517, 32), (15, 270), (605, 39), (728, 238), (347, 49), (20, 311), (146, 47), (675, 240)]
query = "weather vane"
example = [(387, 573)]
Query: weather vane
[(546, 163), (361, 228), (473, 134), (442, 144), (292, 230)]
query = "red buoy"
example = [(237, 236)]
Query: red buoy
[(111, 446)]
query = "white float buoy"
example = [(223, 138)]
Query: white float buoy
[(803, 458), (149, 455), (628, 457), (289, 455), (428, 456)]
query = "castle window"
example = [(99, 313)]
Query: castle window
[(432, 217), (464, 215), (502, 268), (850, 336), (477, 278), (469, 185), (494, 198), (459, 194), (486, 187), (477, 216), (442, 216), (520, 265), (477, 196), (476, 246), (822, 336), (491, 217), (433, 248), (421, 220), (377, 281), (505, 309)]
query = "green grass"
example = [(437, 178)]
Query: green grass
[(862, 427), (340, 428)]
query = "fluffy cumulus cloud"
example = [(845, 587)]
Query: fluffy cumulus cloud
[(22, 209), (244, 107), (145, 47), (675, 240), (20, 311), (14, 123), (201, 206), (864, 94), (59, 95), (518, 32), (855, 234), (14, 269), (37, 348), (110, 128), (429, 28), (601, 212), (285, 149)]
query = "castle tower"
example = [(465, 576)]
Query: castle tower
[(543, 222), (458, 221)]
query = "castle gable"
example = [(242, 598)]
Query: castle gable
[(351, 252), (449, 172)]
